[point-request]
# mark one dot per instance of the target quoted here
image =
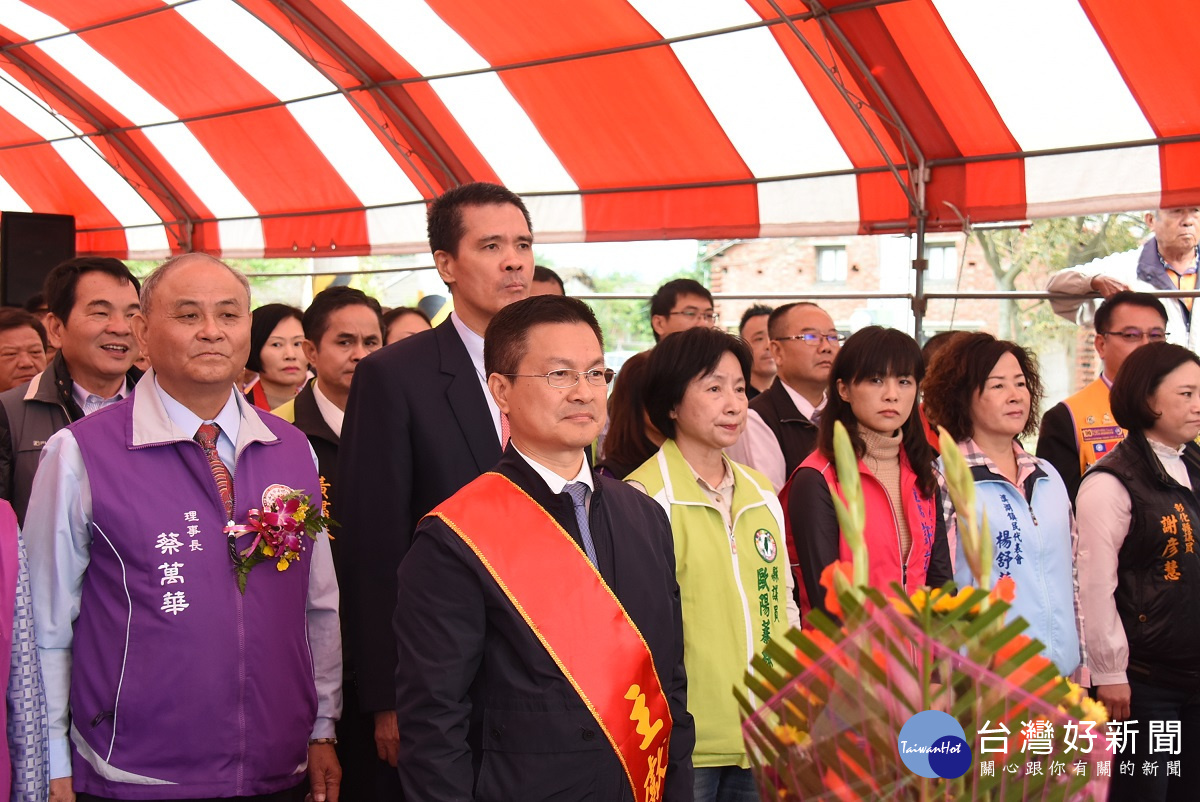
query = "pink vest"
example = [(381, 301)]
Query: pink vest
[(882, 535)]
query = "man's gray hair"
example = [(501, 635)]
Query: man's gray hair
[(152, 281)]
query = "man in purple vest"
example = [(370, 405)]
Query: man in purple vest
[(164, 681)]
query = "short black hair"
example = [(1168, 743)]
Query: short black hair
[(541, 273), (59, 288), (870, 352), (444, 219), (262, 322), (758, 310), (506, 341), (1139, 378), (12, 318), (316, 318), (775, 322), (678, 360), (394, 314), (663, 301), (1103, 318), (36, 304), (935, 344)]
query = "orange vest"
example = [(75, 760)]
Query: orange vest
[(577, 618), (1096, 433)]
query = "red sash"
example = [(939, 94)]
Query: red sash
[(575, 615)]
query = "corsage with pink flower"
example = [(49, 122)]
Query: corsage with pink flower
[(281, 531)]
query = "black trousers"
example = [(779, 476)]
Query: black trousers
[(291, 795)]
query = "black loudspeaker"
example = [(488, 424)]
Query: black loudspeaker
[(30, 246)]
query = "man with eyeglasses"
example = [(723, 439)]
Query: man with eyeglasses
[(781, 428), (680, 305), (546, 659), (1168, 261), (1078, 431)]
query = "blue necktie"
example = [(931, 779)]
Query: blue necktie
[(578, 492)]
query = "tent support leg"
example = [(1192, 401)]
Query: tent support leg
[(919, 301)]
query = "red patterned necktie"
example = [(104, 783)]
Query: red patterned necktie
[(207, 436), (503, 430)]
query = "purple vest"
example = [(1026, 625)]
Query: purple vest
[(177, 677)]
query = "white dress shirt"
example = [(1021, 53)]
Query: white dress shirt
[(758, 446), (329, 410), (474, 344)]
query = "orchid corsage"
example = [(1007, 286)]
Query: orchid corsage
[(281, 532)]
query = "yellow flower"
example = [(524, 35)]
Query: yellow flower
[(1093, 710), (948, 603), (282, 564), (269, 551), (789, 735), (1075, 694)]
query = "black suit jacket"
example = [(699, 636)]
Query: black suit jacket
[(484, 712), (1058, 445), (308, 419), (417, 429)]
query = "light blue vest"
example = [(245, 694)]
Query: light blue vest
[(1034, 547)]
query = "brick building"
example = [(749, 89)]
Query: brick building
[(883, 264), (827, 265)]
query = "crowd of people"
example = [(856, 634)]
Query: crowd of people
[(535, 589)]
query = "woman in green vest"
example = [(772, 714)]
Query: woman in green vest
[(728, 527)]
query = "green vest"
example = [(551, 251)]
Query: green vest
[(734, 590)]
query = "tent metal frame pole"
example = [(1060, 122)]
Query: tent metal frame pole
[(853, 103)]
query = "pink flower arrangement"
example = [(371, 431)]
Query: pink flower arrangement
[(280, 534)]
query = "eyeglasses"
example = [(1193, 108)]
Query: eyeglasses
[(811, 338), (562, 379), (692, 314), (1137, 335)]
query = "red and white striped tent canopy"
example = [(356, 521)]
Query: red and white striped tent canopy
[(320, 127)]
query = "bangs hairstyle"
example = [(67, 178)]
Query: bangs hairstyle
[(1139, 378), (507, 338), (869, 353), (681, 358), (960, 370)]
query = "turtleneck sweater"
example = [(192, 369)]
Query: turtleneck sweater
[(883, 461)]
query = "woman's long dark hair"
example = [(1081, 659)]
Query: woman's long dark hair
[(870, 352), (626, 443)]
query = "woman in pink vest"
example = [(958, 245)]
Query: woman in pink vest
[(873, 390)]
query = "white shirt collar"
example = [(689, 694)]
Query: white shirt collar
[(229, 418), (802, 404), (329, 411), (472, 341), (556, 482), (90, 402), (1172, 461)]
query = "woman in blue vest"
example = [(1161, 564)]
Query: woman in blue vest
[(983, 392), (873, 392), (728, 531), (1139, 573)]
